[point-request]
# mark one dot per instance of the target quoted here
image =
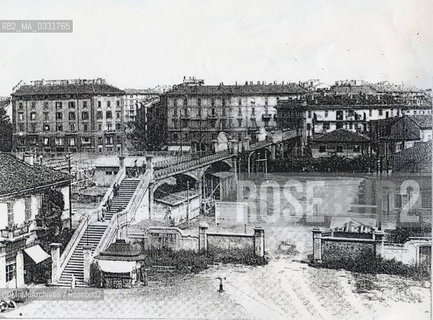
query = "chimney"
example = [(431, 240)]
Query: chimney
[(282, 83), (246, 83), (29, 158), (236, 83)]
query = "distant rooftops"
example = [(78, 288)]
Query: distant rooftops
[(248, 89), (70, 87), (342, 135), (141, 91)]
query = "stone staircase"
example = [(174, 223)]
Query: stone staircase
[(126, 190), (93, 234)]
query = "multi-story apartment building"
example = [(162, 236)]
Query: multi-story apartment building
[(320, 113), (24, 211), (135, 99), (68, 116), (197, 113)]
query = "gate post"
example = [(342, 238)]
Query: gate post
[(317, 245), (202, 236), (259, 242)]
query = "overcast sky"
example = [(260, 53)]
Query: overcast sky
[(145, 43)]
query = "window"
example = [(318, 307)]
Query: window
[(185, 101), (46, 116), (33, 127), (370, 112), (33, 105), (99, 140), (20, 116), (213, 111), (253, 111), (326, 113), (322, 149), (356, 148), (58, 141), (239, 101), (118, 115), (117, 126), (240, 122), (309, 114), (71, 105), (308, 126), (99, 126), (58, 105), (109, 140), (118, 103), (212, 102), (199, 102), (20, 105), (239, 111), (71, 115), (99, 115), (326, 126), (72, 127), (85, 127), (59, 116), (339, 115), (85, 115), (109, 115), (84, 104), (380, 112), (21, 127), (45, 105), (339, 148), (199, 112), (46, 127), (46, 141), (99, 104), (10, 271), (109, 126)]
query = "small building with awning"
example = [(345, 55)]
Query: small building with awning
[(120, 264)]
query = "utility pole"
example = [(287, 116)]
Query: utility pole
[(187, 203), (68, 157)]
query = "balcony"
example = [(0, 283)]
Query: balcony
[(13, 233), (212, 116), (266, 116)]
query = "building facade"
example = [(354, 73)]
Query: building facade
[(197, 113), (23, 187), (68, 116), (135, 99)]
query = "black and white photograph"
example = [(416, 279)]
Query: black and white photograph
[(216, 159)]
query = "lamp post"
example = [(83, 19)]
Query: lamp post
[(68, 158)]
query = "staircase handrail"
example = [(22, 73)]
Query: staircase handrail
[(85, 220), (115, 222)]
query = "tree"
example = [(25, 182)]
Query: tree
[(50, 216), (5, 131)]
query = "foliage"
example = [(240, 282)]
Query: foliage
[(5, 132), (95, 276), (50, 214), (191, 261), (42, 272), (402, 234), (378, 265)]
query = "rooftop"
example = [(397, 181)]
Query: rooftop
[(423, 121), (17, 176), (342, 135), (417, 159), (121, 251), (71, 87), (251, 89)]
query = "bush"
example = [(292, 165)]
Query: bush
[(95, 276), (190, 261), (378, 265)]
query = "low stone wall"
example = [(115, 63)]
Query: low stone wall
[(164, 237), (328, 247), (230, 241)]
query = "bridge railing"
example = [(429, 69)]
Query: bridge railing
[(187, 165), (124, 216)]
